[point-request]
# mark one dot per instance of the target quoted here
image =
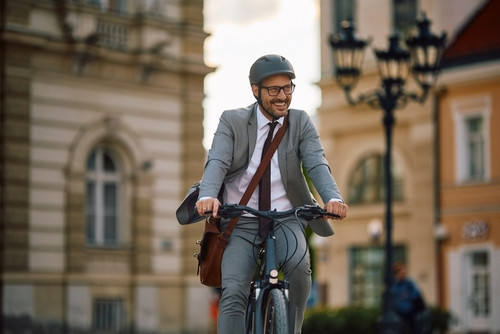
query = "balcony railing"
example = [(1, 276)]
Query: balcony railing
[(112, 35)]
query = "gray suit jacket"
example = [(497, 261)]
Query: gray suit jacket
[(233, 146)]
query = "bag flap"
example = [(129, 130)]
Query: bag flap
[(186, 213)]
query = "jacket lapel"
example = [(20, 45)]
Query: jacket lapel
[(282, 149), (252, 130)]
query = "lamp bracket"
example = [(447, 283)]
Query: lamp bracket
[(378, 99)]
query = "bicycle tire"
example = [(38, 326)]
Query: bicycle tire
[(276, 313), (250, 316)]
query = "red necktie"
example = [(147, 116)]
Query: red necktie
[(265, 184)]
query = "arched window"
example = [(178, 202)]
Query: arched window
[(102, 198), (367, 181)]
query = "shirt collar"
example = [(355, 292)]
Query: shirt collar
[(262, 121)]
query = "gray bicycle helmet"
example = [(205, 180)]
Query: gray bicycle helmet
[(269, 65)]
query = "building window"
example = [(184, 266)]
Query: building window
[(112, 35), (108, 315), (367, 181), (343, 10), (366, 273), (472, 138), (473, 278), (117, 6), (479, 284), (475, 147), (102, 198), (153, 6), (404, 15), (94, 2)]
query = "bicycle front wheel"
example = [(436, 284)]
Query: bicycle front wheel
[(276, 313)]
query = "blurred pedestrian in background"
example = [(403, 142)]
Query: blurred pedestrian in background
[(408, 302)]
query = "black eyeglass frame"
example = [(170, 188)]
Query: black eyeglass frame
[(290, 86)]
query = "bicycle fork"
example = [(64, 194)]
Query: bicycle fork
[(269, 282)]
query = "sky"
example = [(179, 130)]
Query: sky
[(243, 30)]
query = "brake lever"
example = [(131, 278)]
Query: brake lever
[(315, 212), (228, 211)]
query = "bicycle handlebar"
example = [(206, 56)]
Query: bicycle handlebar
[(308, 212)]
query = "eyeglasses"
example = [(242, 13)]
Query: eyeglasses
[(275, 90)]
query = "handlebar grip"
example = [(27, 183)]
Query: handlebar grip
[(316, 213), (227, 211), (331, 214)]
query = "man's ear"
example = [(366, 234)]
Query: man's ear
[(255, 90)]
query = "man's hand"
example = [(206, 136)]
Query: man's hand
[(337, 208), (208, 204)]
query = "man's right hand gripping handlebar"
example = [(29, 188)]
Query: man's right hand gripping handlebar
[(208, 206)]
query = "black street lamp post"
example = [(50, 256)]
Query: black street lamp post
[(394, 65)]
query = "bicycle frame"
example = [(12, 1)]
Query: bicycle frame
[(261, 288), (268, 293)]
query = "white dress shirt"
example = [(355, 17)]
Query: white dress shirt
[(235, 188)]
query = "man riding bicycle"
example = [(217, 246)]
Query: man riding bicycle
[(234, 157)]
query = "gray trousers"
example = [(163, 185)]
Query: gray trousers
[(238, 267)]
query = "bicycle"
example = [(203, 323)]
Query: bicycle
[(267, 308)]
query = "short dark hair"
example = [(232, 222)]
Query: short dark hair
[(397, 266)]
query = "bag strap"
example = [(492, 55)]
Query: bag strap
[(257, 176)]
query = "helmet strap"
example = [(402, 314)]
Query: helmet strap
[(259, 101)]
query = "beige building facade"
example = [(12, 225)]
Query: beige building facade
[(350, 265), (469, 174), (101, 105), (470, 207)]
